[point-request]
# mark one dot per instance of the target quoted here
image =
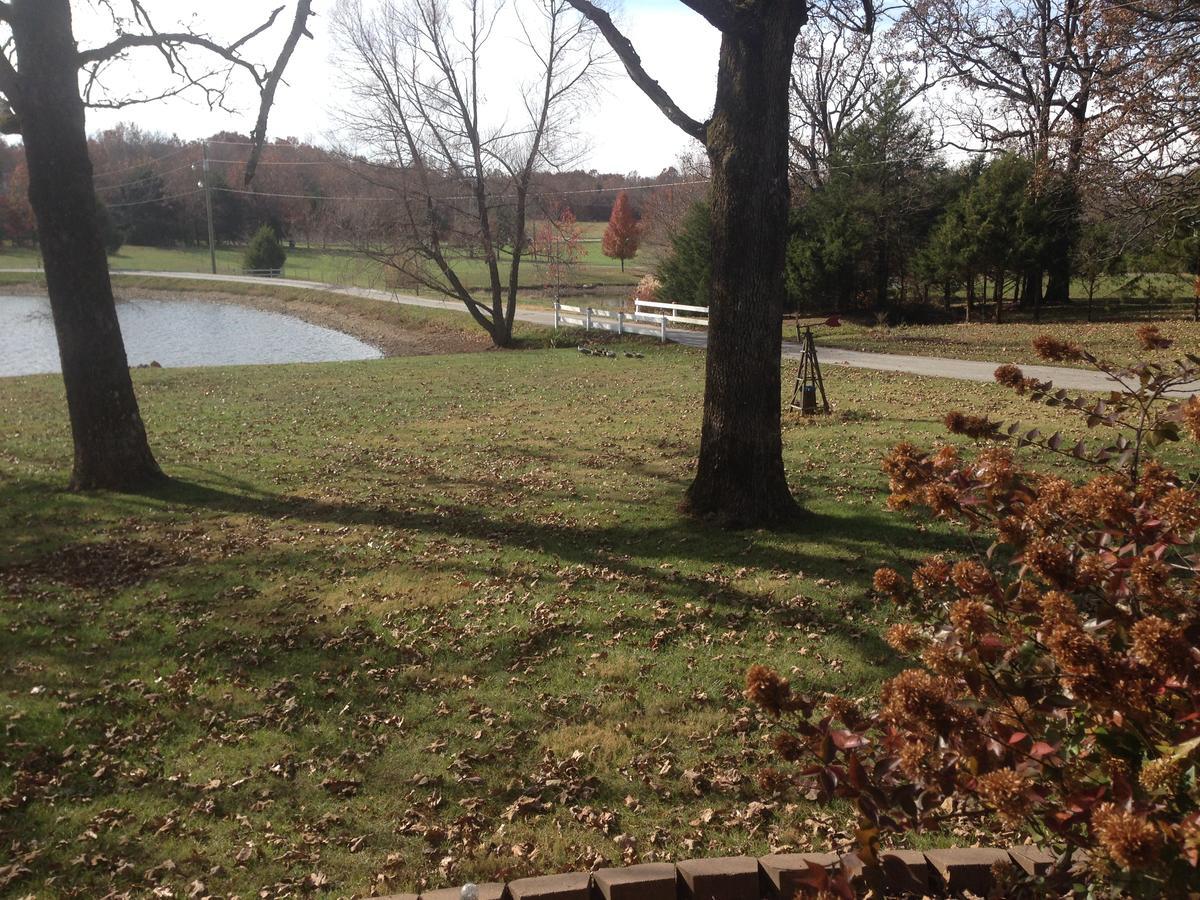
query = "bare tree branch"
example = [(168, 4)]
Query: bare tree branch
[(271, 82), (719, 13), (633, 65), (165, 41)]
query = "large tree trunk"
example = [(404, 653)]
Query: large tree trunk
[(1058, 282), (740, 478), (111, 450), (1031, 295)]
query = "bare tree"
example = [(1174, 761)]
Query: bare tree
[(681, 187), (1085, 87), (1144, 136), (740, 479), (839, 71), (460, 182), (40, 75)]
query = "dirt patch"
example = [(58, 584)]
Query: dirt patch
[(98, 565)]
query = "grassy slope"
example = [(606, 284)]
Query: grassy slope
[(397, 597), (1010, 342)]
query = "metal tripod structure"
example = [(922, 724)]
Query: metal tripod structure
[(809, 384)]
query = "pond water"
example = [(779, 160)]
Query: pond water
[(177, 333)]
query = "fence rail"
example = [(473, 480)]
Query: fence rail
[(619, 321), (672, 311)]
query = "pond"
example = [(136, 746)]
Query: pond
[(177, 333)]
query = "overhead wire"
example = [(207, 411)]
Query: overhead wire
[(190, 193), (143, 163), (602, 190), (150, 177)]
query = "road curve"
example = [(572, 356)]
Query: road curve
[(931, 366)]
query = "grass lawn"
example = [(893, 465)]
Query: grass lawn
[(340, 266), (410, 622), (1011, 342)]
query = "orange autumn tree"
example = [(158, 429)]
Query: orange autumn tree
[(623, 234)]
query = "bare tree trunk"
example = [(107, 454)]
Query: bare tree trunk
[(970, 296), (998, 296), (883, 276), (1032, 294), (111, 450), (740, 477)]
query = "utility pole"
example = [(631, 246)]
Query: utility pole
[(212, 244)]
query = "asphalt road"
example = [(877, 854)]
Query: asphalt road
[(932, 366)]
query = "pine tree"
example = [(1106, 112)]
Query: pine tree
[(623, 234), (264, 253)]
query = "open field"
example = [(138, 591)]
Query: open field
[(415, 621), (1011, 342), (342, 266)]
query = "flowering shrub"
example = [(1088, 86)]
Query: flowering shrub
[(1057, 685)]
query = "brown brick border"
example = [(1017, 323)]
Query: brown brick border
[(934, 873)]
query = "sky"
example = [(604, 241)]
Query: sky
[(623, 131)]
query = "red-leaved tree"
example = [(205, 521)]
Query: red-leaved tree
[(624, 232)]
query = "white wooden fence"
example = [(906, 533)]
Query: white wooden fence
[(619, 321), (624, 323), (672, 311)]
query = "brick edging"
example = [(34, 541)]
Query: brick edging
[(938, 873)]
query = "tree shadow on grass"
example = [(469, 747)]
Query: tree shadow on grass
[(659, 559)]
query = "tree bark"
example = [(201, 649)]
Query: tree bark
[(998, 296), (111, 450), (1032, 293), (740, 478)]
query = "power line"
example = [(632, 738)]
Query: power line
[(143, 164), (298, 162), (150, 177), (191, 193), (602, 190)]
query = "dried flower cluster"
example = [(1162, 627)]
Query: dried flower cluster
[(1057, 685)]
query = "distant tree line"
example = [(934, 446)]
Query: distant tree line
[(150, 185)]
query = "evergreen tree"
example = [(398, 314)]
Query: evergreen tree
[(264, 252), (141, 211), (112, 236), (856, 230), (685, 270)]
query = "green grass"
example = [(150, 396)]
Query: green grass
[(343, 266), (410, 622), (1010, 342)]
